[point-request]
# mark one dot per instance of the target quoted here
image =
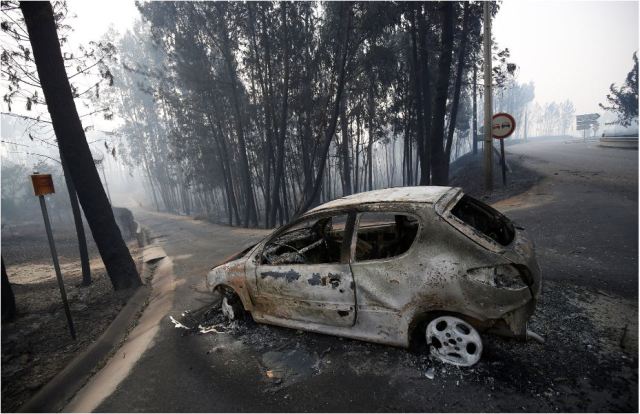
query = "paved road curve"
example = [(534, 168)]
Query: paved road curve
[(583, 215)]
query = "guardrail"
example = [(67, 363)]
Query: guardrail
[(619, 142)]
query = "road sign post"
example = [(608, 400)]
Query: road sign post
[(585, 122), (42, 185), (502, 126)]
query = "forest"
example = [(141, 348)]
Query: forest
[(251, 113)]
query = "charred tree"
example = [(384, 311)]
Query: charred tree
[(312, 190), (8, 298), (77, 219), (458, 84), (73, 145), (439, 160)]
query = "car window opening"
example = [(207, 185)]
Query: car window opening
[(310, 242), (484, 219), (383, 235)]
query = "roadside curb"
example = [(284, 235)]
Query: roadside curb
[(54, 395), (116, 368)]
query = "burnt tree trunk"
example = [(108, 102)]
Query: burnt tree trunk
[(438, 156), (371, 134), (250, 213), (426, 159), (457, 85), (419, 106), (278, 179), (345, 149), (311, 196), (475, 107), (73, 144), (77, 219), (8, 298)]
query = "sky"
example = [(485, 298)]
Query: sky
[(570, 49)]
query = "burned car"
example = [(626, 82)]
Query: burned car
[(386, 265)]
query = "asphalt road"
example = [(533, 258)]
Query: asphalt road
[(583, 216)]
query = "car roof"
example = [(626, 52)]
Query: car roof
[(421, 194)]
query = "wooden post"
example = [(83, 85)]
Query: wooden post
[(488, 111)]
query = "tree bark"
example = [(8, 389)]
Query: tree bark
[(372, 109), (245, 173), (73, 144), (8, 298), (77, 219), (458, 84), (345, 149), (419, 104), (475, 107), (279, 178), (438, 156), (427, 146)]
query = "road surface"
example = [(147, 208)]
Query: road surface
[(583, 216)]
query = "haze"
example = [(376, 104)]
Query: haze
[(570, 49), (563, 46)]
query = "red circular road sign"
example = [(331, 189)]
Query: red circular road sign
[(502, 125)]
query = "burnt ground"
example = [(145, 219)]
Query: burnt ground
[(588, 313), (37, 344), (467, 172)]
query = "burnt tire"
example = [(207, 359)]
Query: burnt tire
[(231, 306)]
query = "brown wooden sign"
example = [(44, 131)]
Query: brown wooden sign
[(42, 184)]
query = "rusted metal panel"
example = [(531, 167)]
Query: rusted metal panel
[(321, 293)]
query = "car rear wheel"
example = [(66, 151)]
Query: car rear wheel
[(232, 306), (454, 341)]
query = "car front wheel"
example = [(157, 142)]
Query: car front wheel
[(232, 307)]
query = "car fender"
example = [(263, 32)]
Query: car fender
[(231, 275)]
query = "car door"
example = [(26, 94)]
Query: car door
[(303, 272), (385, 276)]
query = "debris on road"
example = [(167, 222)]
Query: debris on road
[(177, 324), (532, 335), (207, 319), (430, 374)]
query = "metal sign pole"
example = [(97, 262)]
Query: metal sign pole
[(503, 161), (56, 265)]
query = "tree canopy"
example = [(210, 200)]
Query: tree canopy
[(624, 100)]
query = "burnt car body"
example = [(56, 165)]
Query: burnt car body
[(373, 266)]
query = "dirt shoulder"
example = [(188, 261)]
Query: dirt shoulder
[(37, 344)]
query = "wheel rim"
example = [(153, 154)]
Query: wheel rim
[(227, 309), (454, 341)]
